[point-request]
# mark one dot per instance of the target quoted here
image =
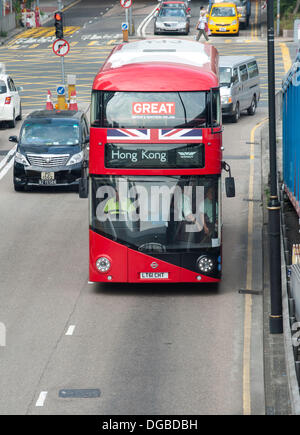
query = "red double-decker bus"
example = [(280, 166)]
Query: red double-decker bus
[(155, 164)]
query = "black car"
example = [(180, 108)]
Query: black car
[(52, 149)]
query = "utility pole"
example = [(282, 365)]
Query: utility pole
[(278, 18), (275, 317), (62, 61)]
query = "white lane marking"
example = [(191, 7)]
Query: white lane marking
[(42, 398), (70, 330), (141, 30), (4, 166), (4, 161)]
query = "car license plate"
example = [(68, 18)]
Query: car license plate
[(47, 178), (154, 275), (222, 29)]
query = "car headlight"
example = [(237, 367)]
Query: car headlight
[(159, 25), (20, 158), (103, 264), (211, 22), (205, 264), (226, 100), (181, 25), (234, 22), (76, 158)]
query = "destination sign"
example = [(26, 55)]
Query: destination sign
[(154, 156)]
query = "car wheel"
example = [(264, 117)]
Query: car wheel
[(19, 117), (19, 188), (12, 123), (237, 113), (252, 109)]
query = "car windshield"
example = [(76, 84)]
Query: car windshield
[(223, 12), (50, 132), (2, 87), (172, 12), (173, 5), (225, 76)]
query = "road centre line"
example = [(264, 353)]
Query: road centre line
[(141, 30), (249, 277), (70, 330), (41, 398)]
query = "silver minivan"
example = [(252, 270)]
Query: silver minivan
[(239, 85)]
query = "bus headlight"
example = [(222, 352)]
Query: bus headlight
[(103, 264), (205, 264)]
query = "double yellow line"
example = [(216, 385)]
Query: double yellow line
[(254, 26)]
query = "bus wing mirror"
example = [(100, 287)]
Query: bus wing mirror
[(230, 187), (229, 181)]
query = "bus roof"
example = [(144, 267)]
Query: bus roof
[(159, 65)]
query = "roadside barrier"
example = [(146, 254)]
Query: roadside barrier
[(49, 104), (73, 103)]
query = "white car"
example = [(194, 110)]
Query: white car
[(10, 101)]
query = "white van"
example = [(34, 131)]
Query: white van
[(239, 85)]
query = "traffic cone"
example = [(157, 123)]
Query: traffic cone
[(49, 104), (73, 104)]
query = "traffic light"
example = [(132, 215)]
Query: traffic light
[(59, 25)]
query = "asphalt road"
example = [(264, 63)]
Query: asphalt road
[(178, 349)]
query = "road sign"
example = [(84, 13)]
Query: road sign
[(126, 3), (61, 90), (61, 47), (124, 26)]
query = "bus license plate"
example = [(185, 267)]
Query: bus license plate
[(154, 275), (47, 178)]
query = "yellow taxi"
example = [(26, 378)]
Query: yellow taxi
[(223, 18)]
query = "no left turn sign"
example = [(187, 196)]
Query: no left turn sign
[(61, 47), (126, 3)]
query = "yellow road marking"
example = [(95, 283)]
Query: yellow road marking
[(71, 5), (249, 276), (287, 63)]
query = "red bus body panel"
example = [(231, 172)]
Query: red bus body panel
[(128, 263)]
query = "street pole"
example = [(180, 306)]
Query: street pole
[(278, 18), (62, 64), (276, 325)]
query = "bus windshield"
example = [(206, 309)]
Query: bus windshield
[(151, 109), (157, 213)]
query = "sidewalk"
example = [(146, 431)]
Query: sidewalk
[(47, 7)]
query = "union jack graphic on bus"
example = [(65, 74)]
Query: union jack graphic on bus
[(145, 135)]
